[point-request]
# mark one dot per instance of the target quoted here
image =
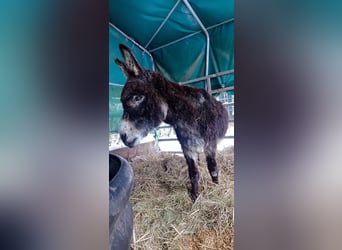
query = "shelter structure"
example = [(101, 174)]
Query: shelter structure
[(189, 41)]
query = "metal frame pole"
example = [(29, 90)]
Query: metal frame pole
[(116, 84), (134, 42), (190, 35), (227, 72), (163, 23), (188, 5)]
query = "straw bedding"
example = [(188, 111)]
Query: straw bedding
[(164, 215)]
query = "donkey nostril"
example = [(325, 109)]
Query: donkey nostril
[(123, 137)]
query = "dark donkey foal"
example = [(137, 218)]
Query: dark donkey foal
[(148, 99)]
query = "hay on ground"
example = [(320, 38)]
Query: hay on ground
[(164, 215)]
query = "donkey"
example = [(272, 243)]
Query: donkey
[(149, 99)]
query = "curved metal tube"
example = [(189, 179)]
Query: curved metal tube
[(188, 5)]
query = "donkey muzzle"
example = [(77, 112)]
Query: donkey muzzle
[(129, 134), (131, 143)]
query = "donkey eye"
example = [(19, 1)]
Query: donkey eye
[(138, 98)]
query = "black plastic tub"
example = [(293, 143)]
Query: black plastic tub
[(120, 208)]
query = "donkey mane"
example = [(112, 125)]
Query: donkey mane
[(149, 99)]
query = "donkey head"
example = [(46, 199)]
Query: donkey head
[(144, 108)]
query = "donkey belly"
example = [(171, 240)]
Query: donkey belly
[(194, 145), (190, 140)]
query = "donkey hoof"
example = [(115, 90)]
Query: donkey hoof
[(194, 197), (215, 180)]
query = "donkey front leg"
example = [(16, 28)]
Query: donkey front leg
[(193, 174)]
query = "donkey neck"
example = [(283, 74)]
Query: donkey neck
[(181, 101)]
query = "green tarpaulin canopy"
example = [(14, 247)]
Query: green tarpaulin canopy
[(186, 40)]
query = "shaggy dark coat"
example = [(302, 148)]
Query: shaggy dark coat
[(149, 99)]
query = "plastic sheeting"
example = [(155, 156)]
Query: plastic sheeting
[(178, 48)]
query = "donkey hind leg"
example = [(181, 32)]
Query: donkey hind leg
[(212, 165), (193, 173)]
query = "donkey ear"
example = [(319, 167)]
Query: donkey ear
[(132, 64), (123, 67)]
